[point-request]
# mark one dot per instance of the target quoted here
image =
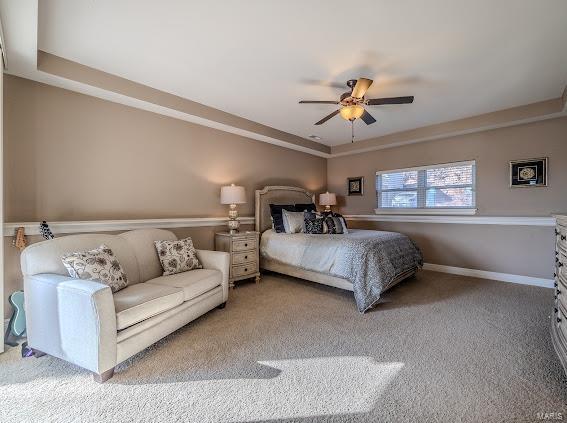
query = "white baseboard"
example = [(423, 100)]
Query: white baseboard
[(504, 277)]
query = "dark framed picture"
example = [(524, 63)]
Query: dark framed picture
[(356, 185), (528, 173)]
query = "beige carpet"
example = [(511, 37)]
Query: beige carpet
[(439, 348)]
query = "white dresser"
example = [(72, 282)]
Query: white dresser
[(559, 315)]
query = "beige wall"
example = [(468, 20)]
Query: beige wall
[(69, 156), (73, 157), (507, 249)]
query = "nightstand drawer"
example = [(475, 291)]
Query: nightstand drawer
[(245, 257), (244, 244), (245, 269)]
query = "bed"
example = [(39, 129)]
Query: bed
[(365, 262)]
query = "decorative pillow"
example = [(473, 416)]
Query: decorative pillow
[(310, 207), (98, 265), (277, 216), (293, 222), (313, 224), (342, 221), (334, 225), (177, 256)]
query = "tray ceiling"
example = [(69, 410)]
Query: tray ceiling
[(257, 59)]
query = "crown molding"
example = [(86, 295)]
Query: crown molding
[(529, 113)]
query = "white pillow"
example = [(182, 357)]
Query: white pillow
[(293, 221)]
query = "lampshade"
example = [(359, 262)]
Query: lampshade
[(232, 194), (327, 199), (352, 112)]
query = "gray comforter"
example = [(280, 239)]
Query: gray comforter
[(371, 260)]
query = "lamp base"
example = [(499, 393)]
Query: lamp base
[(233, 223), (233, 226), (327, 209)]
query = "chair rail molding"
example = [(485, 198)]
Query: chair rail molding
[(70, 227), (463, 220)]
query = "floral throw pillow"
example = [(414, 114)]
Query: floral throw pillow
[(177, 256), (98, 265)]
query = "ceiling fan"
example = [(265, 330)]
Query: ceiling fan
[(352, 102)]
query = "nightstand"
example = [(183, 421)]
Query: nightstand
[(244, 257)]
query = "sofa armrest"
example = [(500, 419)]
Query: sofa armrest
[(72, 319), (218, 260)]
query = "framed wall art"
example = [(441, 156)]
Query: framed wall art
[(528, 173), (356, 185)]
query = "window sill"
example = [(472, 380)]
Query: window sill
[(427, 212)]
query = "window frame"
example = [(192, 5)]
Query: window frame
[(422, 186)]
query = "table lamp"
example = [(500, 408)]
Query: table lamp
[(233, 195), (327, 199)]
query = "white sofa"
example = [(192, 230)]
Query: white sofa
[(84, 323)]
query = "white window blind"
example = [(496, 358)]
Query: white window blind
[(444, 186)]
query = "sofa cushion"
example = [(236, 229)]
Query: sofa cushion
[(45, 256), (142, 301), (141, 242), (193, 282)]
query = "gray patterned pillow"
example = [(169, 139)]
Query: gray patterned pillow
[(177, 256), (313, 223), (98, 265), (334, 225)]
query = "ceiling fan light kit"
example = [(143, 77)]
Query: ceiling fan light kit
[(352, 103), (351, 113)]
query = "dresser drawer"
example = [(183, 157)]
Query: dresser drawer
[(244, 257), (561, 291), (244, 244), (561, 238), (561, 320), (561, 265), (245, 269)]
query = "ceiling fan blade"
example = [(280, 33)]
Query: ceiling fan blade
[(326, 118), (389, 100), (317, 102), (361, 87), (367, 118)]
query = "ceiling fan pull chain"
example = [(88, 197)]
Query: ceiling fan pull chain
[(352, 131)]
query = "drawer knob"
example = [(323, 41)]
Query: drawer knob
[(563, 237), (555, 309), (560, 264), (246, 270), (245, 257), (246, 245), (557, 232), (555, 284), (558, 320), (558, 291)]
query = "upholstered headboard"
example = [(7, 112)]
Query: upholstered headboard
[(277, 195)]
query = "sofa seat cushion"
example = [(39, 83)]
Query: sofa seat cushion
[(142, 301), (194, 282)]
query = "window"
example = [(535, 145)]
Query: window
[(439, 189)]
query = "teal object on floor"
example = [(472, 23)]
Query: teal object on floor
[(17, 324)]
